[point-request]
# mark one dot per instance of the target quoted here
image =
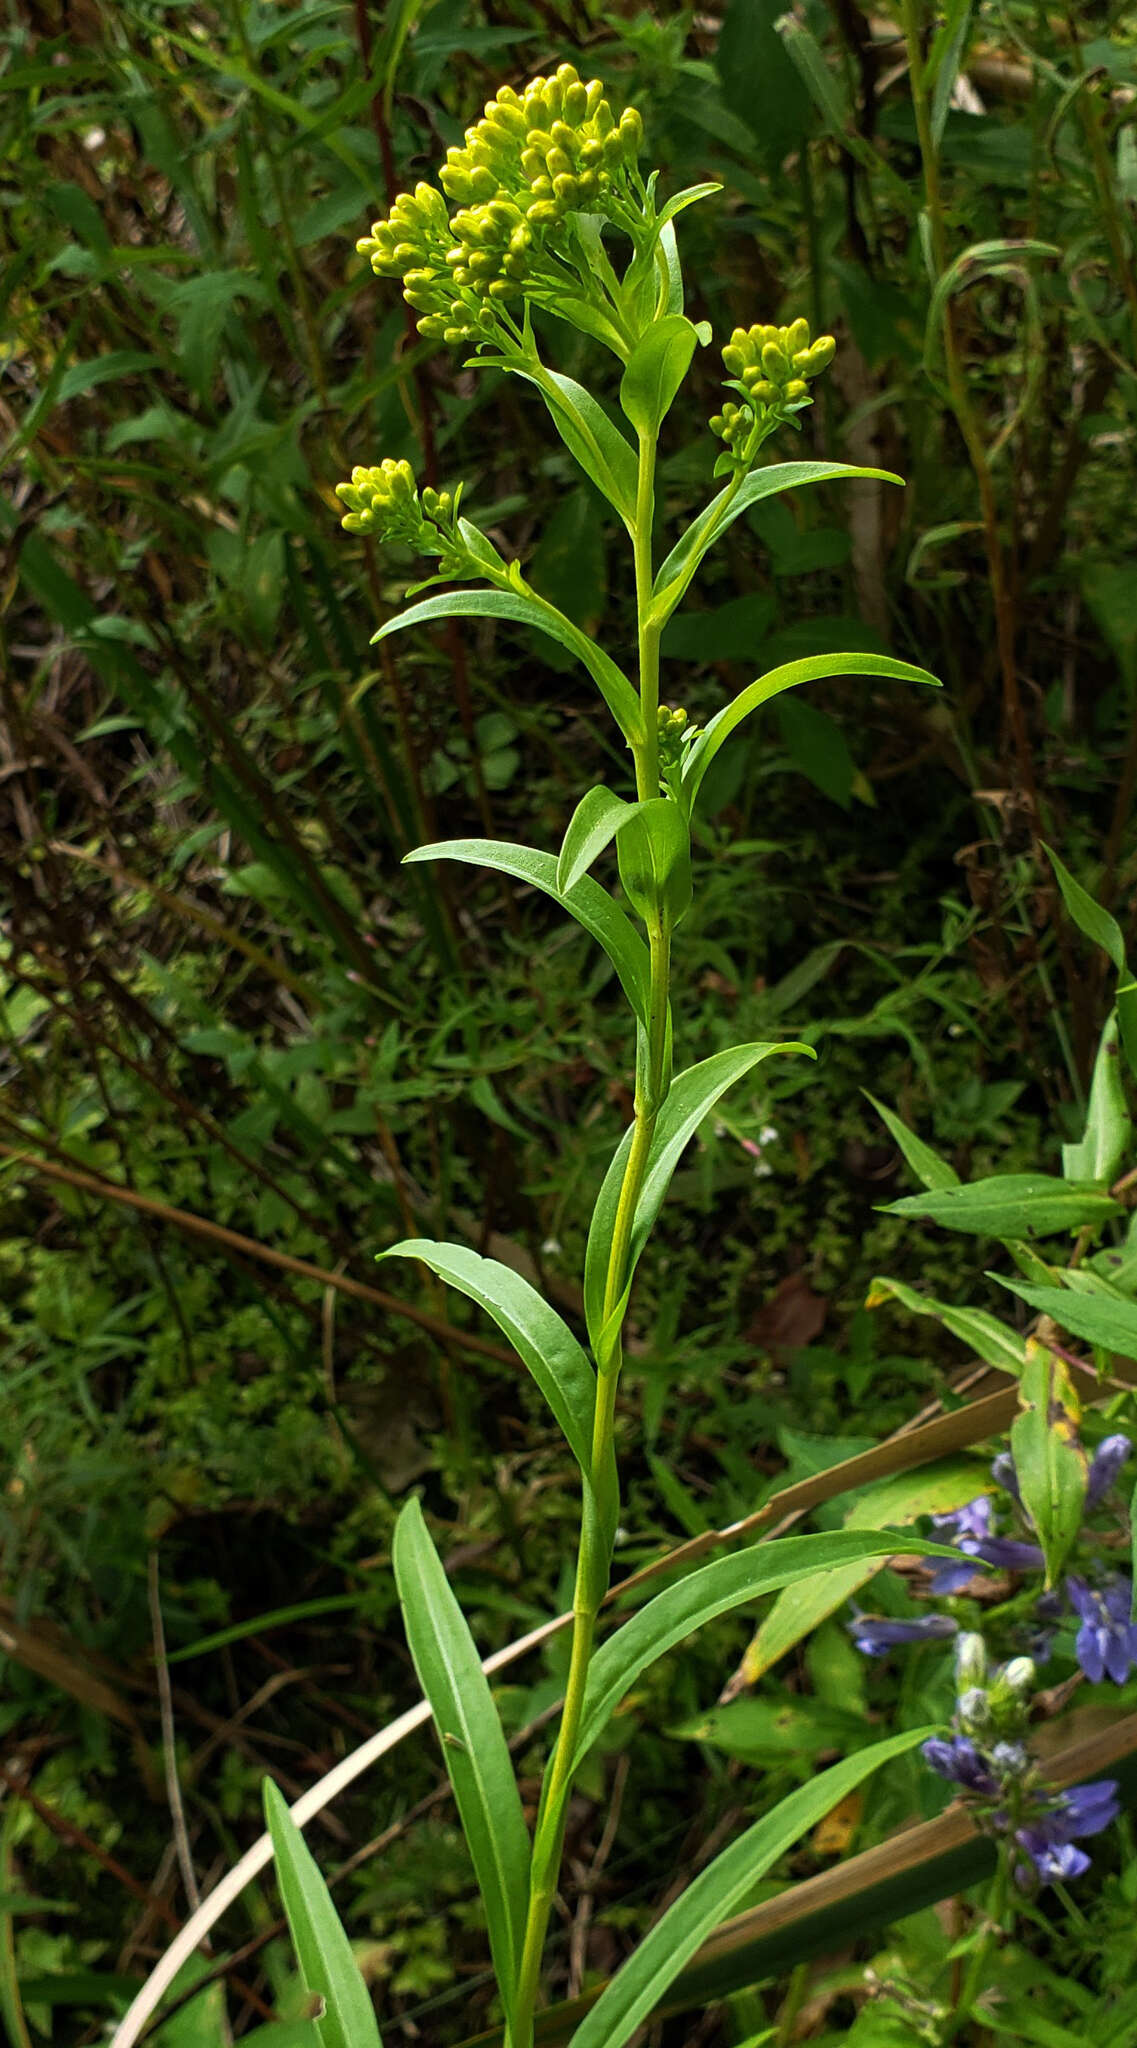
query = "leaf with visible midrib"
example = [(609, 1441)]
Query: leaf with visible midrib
[(721, 1890), (1010, 1205), (591, 906), (689, 1099), (529, 610), (542, 1341), (323, 1951), (473, 1746), (713, 1590)]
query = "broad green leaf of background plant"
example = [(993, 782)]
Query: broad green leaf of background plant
[(589, 435), (720, 1890), (715, 1589), (691, 1096), (1049, 1460), (593, 825), (676, 571), (655, 370), (323, 1951), (653, 846), (1100, 1151), (473, 1746), (545, 1345), (587, 902), (1096, 1318), (1102, 930), (1010, 1205), (527, 609), (984, 1334), (932, 1489), (812, 668), (927, 1165)]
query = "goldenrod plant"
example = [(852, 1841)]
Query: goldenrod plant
[(545, 211)]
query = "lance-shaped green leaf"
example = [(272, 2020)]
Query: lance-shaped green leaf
[(927, 1164), (588, 434), (1050, 1464), (1105, 1141), (586, 901), (526, 608), (691, 1097), (688, 197), (655, 369), (593, 825), (473, 1746), (544, 1344), (1010, 1205), (327, 1966), (812, 668), (933, 1490), (1095, 1318), (984, 1334), (654, 847), (1102, 930), (715, 1589), (712, 522), (720, 1890)]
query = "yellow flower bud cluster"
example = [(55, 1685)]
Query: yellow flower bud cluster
[(773, 366), (415, 244), (535, 156), (384, 500), (554, 147), (675, 733)]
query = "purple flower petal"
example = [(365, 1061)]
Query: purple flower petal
[(875, 1636), (973, 1519), (1107, 1461), (1006, 1553), (1003, 1473), (958, 1760)]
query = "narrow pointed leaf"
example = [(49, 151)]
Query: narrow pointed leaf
[(1102, 930), (1095, 1318), (593, 825), (473, 1745), (900, 1500), (984, 1334), (327, 1966), (544, 1344), (528, 609), (1105, 1141), (813, 668), (586, 901), (715, 1589), (1050, 1464), (655, 370), (690, 1098), (1010, 1205), (720, 1890), (927, 1164), (589, 435), (713, 521)]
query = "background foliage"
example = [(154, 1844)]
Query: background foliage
[(242, 1051)]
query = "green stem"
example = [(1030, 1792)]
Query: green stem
[(601, 1496), (974, 1983)]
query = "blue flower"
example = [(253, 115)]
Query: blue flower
[(1049, 1838), (965, 1526), (875, 1637), (958, 1759), (1111, 1454), (1003, 1473), (1106, 1643), (1005, 1552)]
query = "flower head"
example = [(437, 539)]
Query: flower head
[(1106, 1643), (1050, 1834), (1111, 1454), (771, 369), (875, 1636), (554, 148), (957, 1758)]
